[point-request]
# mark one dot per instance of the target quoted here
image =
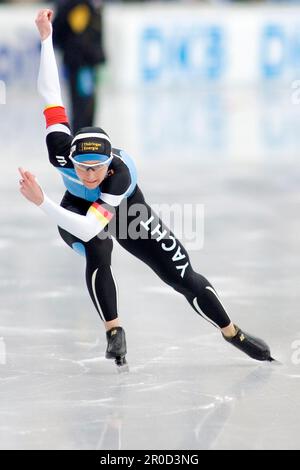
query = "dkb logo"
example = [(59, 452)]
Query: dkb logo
[(179, 53)]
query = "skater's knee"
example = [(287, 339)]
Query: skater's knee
[(179, 285), (98, 252), (99, 245), (195, 279), (193, 284)]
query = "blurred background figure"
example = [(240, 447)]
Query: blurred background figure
[(77, 32)]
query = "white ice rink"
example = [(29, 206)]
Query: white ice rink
[(236, 152)]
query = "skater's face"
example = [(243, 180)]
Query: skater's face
[(91, 177)]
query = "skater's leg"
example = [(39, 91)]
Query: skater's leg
[(99, 275), (229, 331), (100, 281), (112, 324), (102, 290), (162, 252)]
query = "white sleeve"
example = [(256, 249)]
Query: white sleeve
[(84, 227), (48, 78)]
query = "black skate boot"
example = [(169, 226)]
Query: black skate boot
[(116, 346), (253, 347)]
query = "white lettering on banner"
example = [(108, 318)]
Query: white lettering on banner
[(178, 255)]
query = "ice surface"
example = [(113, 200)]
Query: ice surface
[(236, 152)]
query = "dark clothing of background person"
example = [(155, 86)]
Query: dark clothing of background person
[(77, 32)]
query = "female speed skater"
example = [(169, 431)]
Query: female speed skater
[(102, 197)]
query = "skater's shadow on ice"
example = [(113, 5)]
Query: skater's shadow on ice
[(203, 432), (212, 425)]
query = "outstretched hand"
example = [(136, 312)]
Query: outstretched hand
[(44, 22), (29, 187)]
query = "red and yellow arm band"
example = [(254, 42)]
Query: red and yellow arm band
[(84, 227), (55, 115), (102, 214)]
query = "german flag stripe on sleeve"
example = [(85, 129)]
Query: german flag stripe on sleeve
[(103, 215), (55, 115)]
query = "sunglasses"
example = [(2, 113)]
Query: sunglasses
[(90, 166)]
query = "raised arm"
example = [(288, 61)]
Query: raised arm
[(48, 78), (58, 134)]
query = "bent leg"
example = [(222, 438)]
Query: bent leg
[(157, 246), (99, 276)]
